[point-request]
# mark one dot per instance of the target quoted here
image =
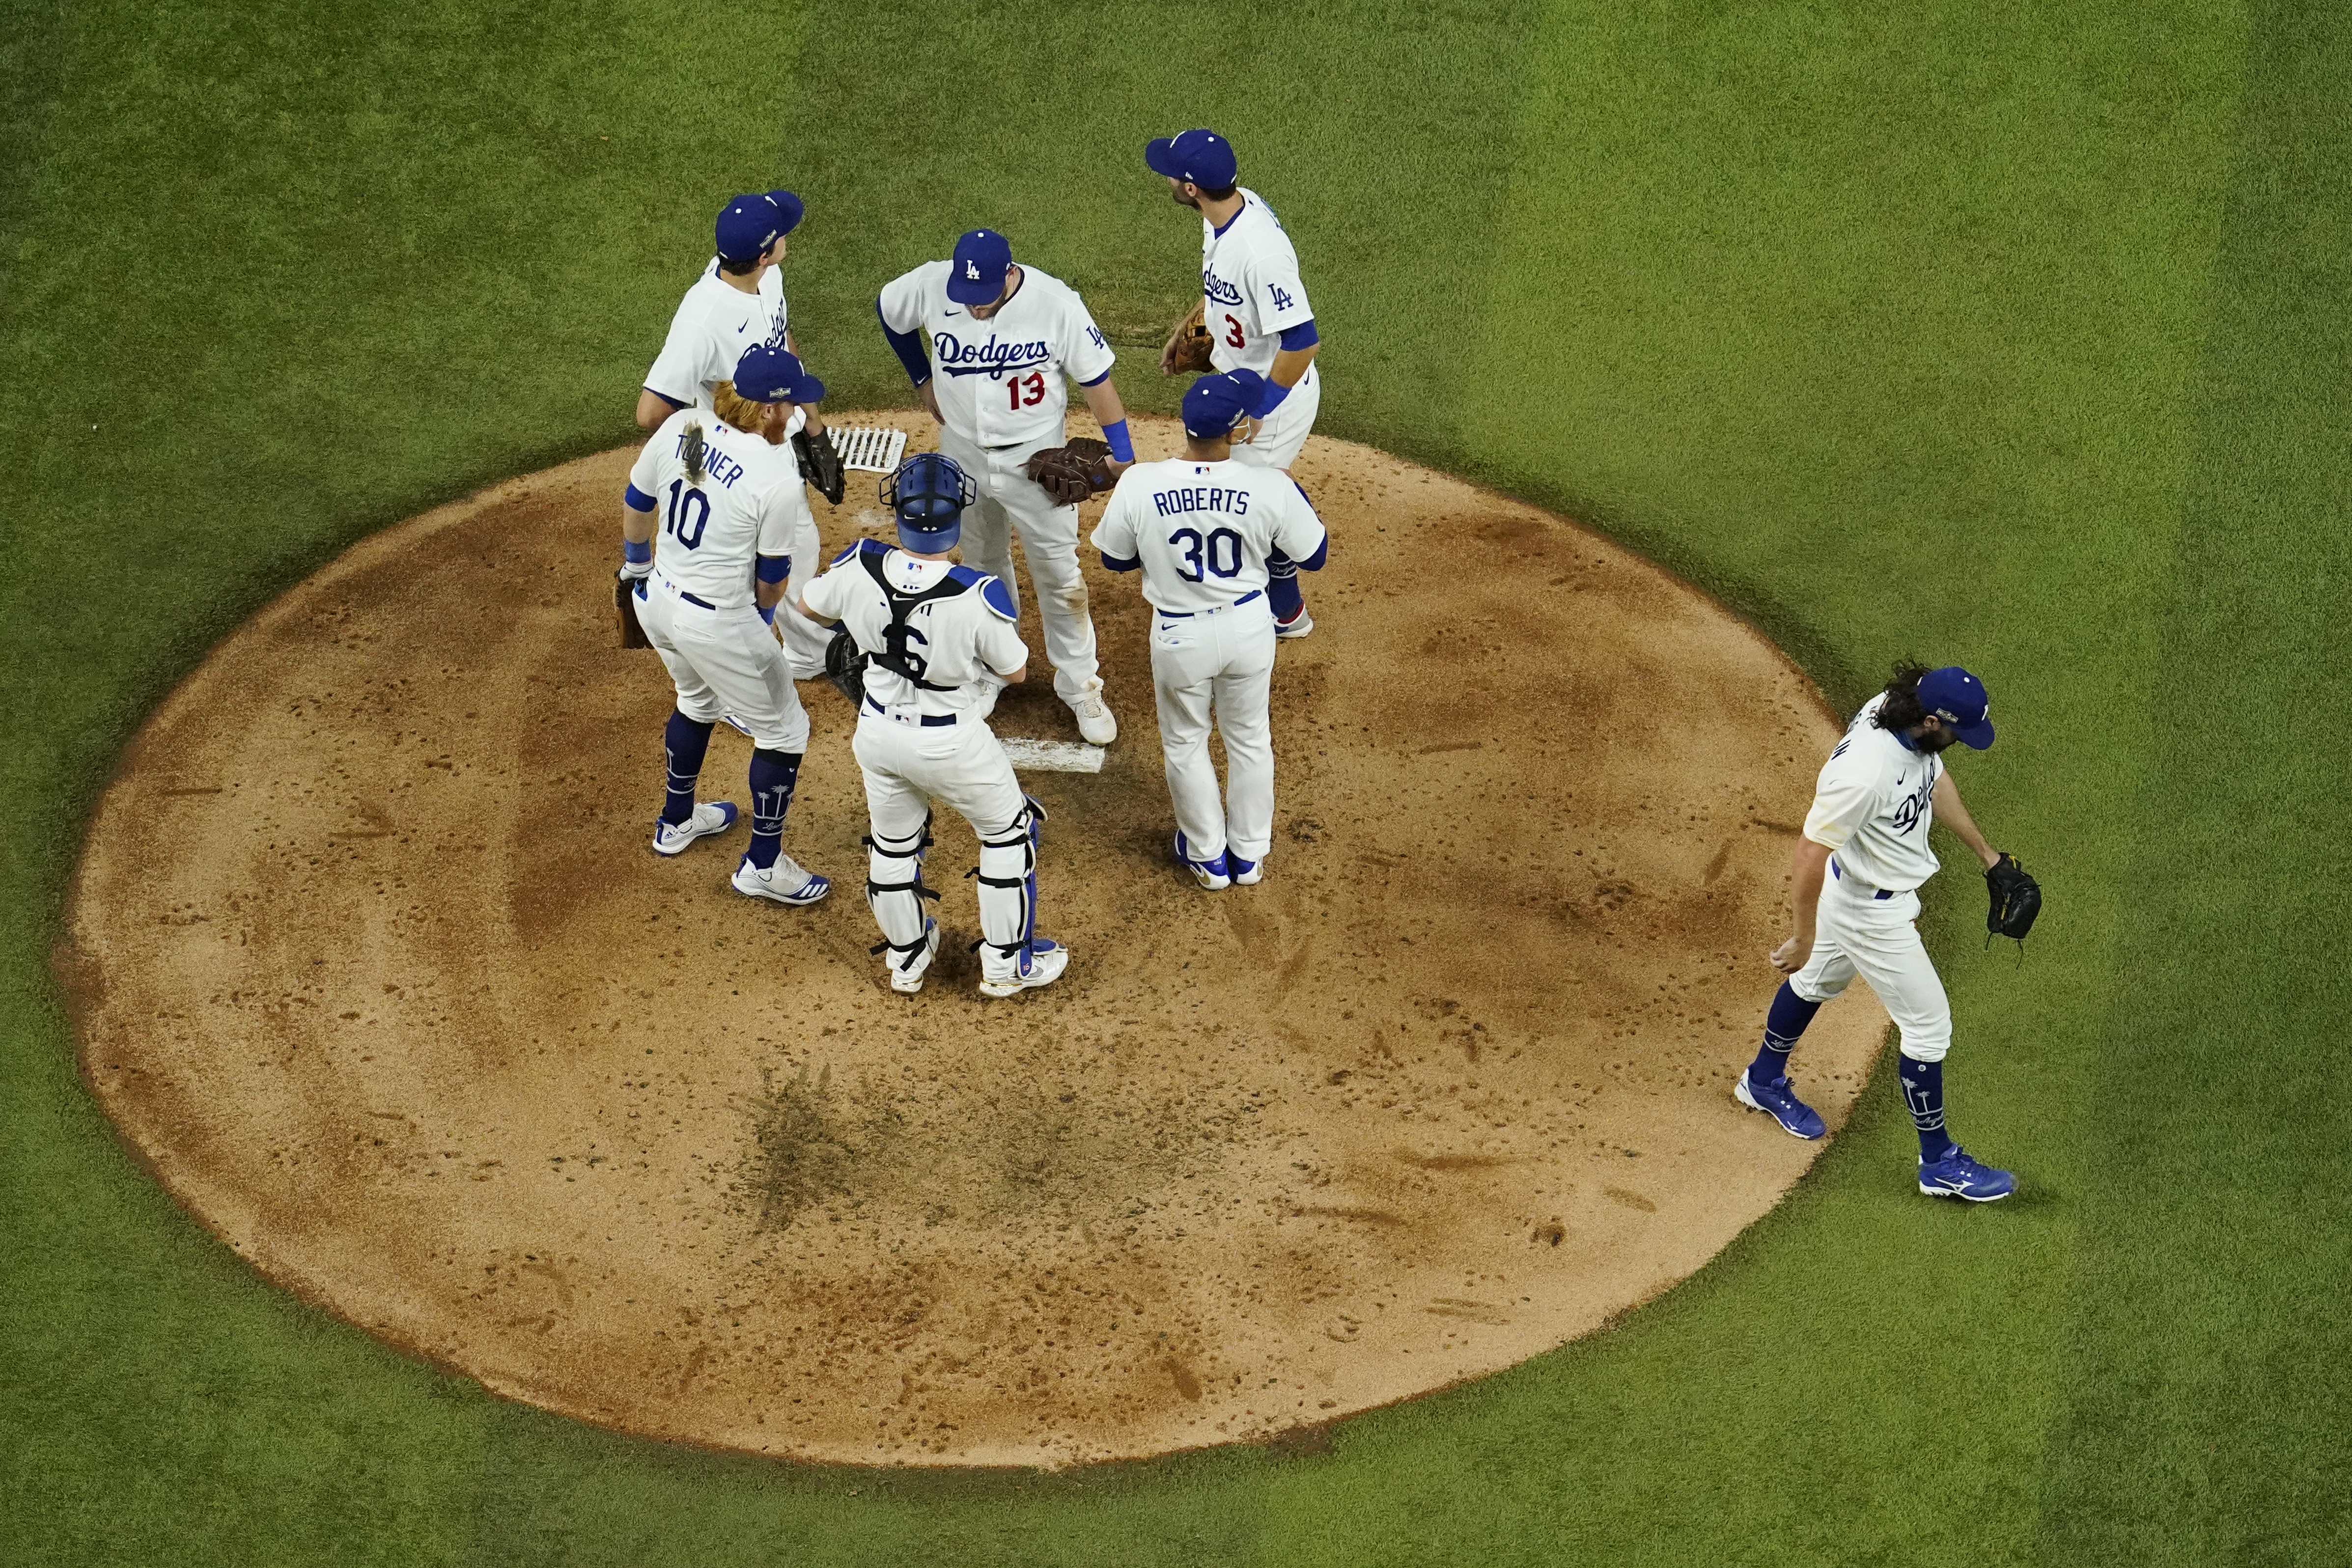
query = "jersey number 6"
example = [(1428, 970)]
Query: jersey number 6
[(1222, 544), (693, 502), (1027, 391)]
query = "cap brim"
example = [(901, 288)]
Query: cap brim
[(964, 291), (933, 541), (790, 206), (1976, 736), (1160, 153), (808, 389)]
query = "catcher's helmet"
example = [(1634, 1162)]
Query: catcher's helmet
[(928, 494)]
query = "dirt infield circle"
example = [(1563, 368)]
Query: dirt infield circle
[(373, 965)]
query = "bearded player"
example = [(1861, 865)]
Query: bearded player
[(1202, 528), (1002, 337), (939, 640), (1855, 901), (1256, 317), (727, 497)]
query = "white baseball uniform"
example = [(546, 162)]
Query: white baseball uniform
[(922, 736), (698, 607), (1000, 395), (715, 322), (1250, 295), (1202, 532), (1871, 809)]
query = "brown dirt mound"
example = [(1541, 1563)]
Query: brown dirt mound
[(376, 969)]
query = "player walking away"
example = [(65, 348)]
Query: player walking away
[(737, 302), (1202, 528), (1858, 870), (1002, 337), (940, 642), (727, 497), (1258, 318)]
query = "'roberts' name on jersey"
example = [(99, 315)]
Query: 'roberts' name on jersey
[(1201, 498), (716, 464), (958, 358)]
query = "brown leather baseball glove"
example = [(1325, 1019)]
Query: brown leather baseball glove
[(1072, 473), (1187, 352), (625, 604)]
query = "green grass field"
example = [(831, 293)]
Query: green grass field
[(2004, 334)]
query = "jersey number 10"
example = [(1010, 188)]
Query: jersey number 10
[(693, 504), (1027, 391)]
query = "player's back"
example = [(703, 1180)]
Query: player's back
[(707, 528), (1202, 530), (957, 624)]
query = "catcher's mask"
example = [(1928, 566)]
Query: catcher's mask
[(928, 494)]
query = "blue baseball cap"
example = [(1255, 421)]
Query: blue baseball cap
[(748, 225), (767, 374), (1958, 699), (1202, 157), (976, 275), (1215, 403)]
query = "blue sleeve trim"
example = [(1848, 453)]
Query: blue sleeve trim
[(666, 397), (1122, 445), (637, 552), (636, 499), (1322, 553), (998, 598), (1121, 562), (908, 346), (1097, 381), (776, 568), (1301, 336)]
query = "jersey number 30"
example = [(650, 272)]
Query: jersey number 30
[(1221, 552), (692, 507)]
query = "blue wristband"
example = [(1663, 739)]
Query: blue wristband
[(1121, 446), (1270, 399), (637, 552), (768, 614)]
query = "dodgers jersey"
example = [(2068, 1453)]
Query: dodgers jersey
[(1204, 531), (998, 382), (955, 640), (715, 323), (1874, 802), (1250, 292), (750, 502)]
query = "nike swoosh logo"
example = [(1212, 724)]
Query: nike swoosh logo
[(747, 327), (955, 312)]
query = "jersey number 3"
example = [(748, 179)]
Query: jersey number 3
[(1233, 333), (1027, 391), (692, 507)]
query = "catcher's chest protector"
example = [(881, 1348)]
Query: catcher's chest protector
[(895, 654)]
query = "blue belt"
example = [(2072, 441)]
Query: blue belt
[(931, 721), (1839, 871), (1221, 609)]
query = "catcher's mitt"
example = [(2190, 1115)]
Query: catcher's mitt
[(2016, 899), (1072, 473), (845, 667), (626, 590), (820, 463)]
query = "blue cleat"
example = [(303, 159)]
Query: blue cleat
[(1210, 874), (1779, 1100), (1958, 1177)]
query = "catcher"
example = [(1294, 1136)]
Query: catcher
[(1855, 879)]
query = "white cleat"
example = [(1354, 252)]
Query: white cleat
[(787, 882), (709, 817), (1095, 719), (1298, 626), (1040, 964), (909, 980)]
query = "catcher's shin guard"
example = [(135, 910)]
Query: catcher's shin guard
[(895, 890), (1008, 884)]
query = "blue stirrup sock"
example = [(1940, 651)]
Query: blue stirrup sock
[(774, 774), (1282, 594), (685, 742), (1783, 1026), (1923, 1092)]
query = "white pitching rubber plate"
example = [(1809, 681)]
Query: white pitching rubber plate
[(870, 449), (1052, 756)]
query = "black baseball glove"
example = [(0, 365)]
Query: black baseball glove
[(845, 667), (2016, 898), (820, 463)]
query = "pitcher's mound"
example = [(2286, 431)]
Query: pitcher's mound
[(376, 967)]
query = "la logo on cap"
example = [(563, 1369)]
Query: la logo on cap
[(972, 270)]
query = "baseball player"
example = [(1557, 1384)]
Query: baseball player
[(1002, 337), (1202, 528), (726, 499), (940, 642), (1855, 906), (1257, 317), (738, 302)]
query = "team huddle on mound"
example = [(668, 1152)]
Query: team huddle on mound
[(719, 569), (720, 551)]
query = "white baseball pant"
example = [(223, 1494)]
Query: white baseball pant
[(1857, 933), (909, 765), (726, 665), (1216, 666), (1010, 498), (1285, 432), (805, 641)]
